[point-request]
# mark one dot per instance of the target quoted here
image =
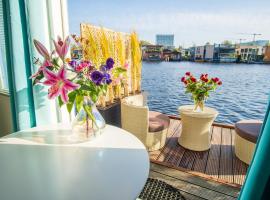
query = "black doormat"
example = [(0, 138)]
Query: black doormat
[(155, 189)]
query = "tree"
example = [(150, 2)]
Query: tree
[(144, 42), (227, 42)]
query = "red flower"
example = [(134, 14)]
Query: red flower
[(183, 79), (185, 82), (188, 74), (205, 80), (202, 77), (193, 79), (219, 83), (215, 79)]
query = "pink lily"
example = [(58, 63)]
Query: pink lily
[(61, 47), (46, 64), (126, 65), (60, 85), (42, 50)]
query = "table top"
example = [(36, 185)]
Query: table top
[(189, 110), (40, 163)]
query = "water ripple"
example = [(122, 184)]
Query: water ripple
[(243, 94)]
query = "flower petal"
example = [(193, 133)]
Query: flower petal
[(49, 74), (62, 73), (35, 74), (70, 85), (50, 82), (65, 48), (47, 63), (41, 49), (57, 48), (64, 95), (53, 92)]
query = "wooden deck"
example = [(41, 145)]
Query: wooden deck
[(193, 187), (218, 163)]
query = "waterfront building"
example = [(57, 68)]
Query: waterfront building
[(152, 52), (191, 51), (171, 55), (209, 53), (250, 53), (266, 58), (224, 53), (185, 54), (166, 40), (199, 53)]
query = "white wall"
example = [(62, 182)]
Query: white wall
[(5, 114), (209, 52)]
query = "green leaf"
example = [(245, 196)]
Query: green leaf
[(69, 107), (79, 102), (88, 110), (38, 78), (86, 87), (60, 102), (94, 98), (71, 99), (72, 96)]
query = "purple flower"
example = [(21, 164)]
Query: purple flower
[(73, 63), (107, 78), (97, 77), (109, 63), (103, 68)]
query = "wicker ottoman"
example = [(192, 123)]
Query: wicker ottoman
[(157, 131), (247, 132)]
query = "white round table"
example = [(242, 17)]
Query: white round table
[(33, 165)]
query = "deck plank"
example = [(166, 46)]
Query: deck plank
[(177, 151), (166, 152), (194, 190), (226, 164), (187, 159), (212, 166), (171, 130), (201, 158), (196, 180), (218, 163), (239, 167)]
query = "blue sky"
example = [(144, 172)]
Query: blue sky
[(191, 21)]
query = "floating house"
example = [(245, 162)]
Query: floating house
[(171, 55), (250, 53), (199, 53), (152, 52), (224, 53), (266, 58), (209, 53)]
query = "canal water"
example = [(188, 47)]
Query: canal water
[(243, 95)]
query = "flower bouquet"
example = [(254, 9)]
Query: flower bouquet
[(74, 82), (200, 88)]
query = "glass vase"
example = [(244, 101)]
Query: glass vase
[(198, 106), (88, 123)]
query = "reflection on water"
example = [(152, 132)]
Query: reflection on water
[(243, 95)]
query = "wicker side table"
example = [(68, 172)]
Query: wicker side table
[(196, 126)]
